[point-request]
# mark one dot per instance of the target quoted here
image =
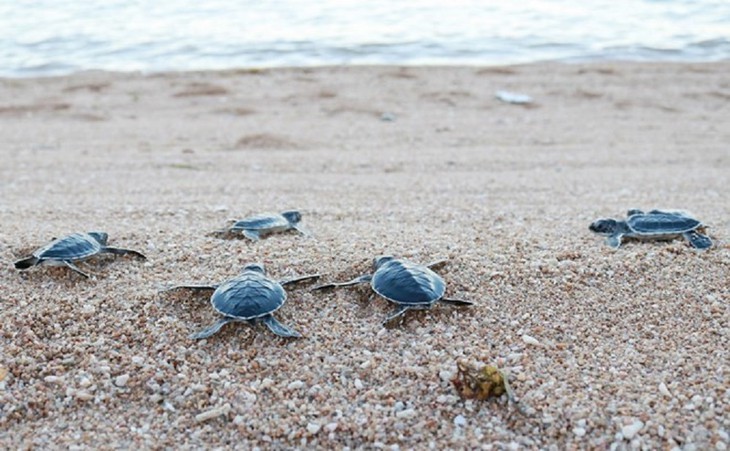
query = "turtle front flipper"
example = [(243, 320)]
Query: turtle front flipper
[(302, 230), (362, 279), (252, 235), (212, 329), (698, 240), (26, 262), (459, 302), (278, 328), (299, 279), (75, 268), (615, 240), (396, 315), (436, 264), (120, 251), (191, 287)]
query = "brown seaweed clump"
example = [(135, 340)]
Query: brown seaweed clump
[(483, 382)]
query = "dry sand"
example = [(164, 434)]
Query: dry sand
[(632, 344)]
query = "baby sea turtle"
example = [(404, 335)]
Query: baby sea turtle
[(259, 226), (72, 248), (654, 225), (409, 285), (249, 297)]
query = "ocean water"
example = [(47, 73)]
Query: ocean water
[(48, 37)]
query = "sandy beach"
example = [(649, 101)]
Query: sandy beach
[(605, 348)]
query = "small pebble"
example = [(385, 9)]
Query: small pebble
[(83, 395), (121, 380), (579, 432), (664, 390), (460, 421), (296, 385), (407, 413), (52, 379), (313, 428), (530, 340), (630, 431), (213, 413)]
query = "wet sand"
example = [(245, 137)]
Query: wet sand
[(604, 347)]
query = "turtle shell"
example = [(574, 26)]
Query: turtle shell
[(661, 223), (76, 246), (407, 283), (262, 222), (249, 295)]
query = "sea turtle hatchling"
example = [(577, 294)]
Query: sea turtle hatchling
[(249, 297), (73, 248), (259, 226), (409, 285), (654, 225)]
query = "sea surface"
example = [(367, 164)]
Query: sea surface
[(49, 37)]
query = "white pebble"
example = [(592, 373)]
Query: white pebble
[(445, 375), (313, 428), (460, 421), (83, 395), (121, 380), (213, 413), (52, 379), (664, 390), (358, 384), (239, 419), (630, 431), (579, 432), (530, 340), (407, 413), (331, 427), (720, 446), (296, 385)]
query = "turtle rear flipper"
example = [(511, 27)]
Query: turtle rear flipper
[(698, 240), (26, 262), (278, 328), (120, 251), (212, 329)]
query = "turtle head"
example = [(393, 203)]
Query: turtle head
[(604, 226), (380, 261), (255, 267), (293, 216), (101, 237)]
